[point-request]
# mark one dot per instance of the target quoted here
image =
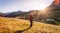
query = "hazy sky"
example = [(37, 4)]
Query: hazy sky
[(24, 5)]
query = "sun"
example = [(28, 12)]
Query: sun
[(42, 7)]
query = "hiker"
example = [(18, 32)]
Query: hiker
[(31, 18), (31, 21)]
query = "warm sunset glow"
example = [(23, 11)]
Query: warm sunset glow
[(56, 2)]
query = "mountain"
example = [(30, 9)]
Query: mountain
[(14, 14), (2, 14), (54, 9), (51, 10), (53, 6)]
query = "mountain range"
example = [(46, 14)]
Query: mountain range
[(20, 13)]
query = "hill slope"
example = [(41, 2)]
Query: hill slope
[(10, 25)]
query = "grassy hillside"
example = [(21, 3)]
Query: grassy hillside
[(10, 25)]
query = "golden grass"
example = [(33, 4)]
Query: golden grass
[(10, 25)]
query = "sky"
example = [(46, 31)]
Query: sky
[(23, 5)]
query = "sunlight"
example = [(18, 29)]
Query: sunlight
[(42, 7)]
